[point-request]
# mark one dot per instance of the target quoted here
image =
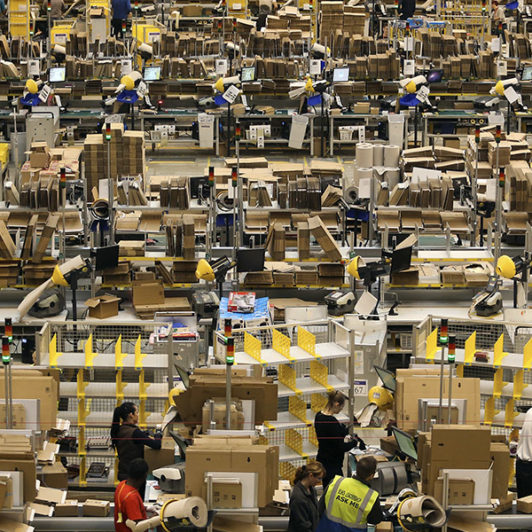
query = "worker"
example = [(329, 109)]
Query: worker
[(349, 504), (498, 20), (121, 11), (304, 515), (128, 501), (333, 439), (128, 439), (523, 464), (56, 9)]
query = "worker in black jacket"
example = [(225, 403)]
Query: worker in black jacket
[(332, 435), (128, 439), (303, 501)]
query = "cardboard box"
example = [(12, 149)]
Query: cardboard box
[(147, 293), (68, 509), (27, 468), (29, 386), (262, 390), (6, 492), (164, 456), (95, 508), (226, 495), (261, 459), (49, 496), (524, 505), (39, 155), (505, 503), (324, 238), (219, 416), (411, 388), (461, 491), (54, 476), (500, 458), (103, 306)]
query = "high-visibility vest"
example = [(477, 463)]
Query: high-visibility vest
[(349, 502)]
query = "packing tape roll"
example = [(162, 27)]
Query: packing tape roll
[(364, 155), (387, 481), (422, 510), (401, 478), (193, 508), (378, 155), (391, 177), (350, 189), (391, 156)]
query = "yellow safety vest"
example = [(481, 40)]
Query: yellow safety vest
[(349, 502)]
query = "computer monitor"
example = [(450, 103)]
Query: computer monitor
[(405, 443), (401, 259), (152, 73), (197, 185), (248, 74), (340, 74), (435, 76), (527, 74), (57, 74), (106, 257), (250, 260), (387, 378)]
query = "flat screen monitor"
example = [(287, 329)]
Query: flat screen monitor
[(106, 257), (57, 74), (387, 378), (248, 74), (250, 260), (435, 76), (152, 73), (340, 74), (401, 259), (405, 442), (197, 184), (527, 74)]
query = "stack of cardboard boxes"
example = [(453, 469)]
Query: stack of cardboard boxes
[(133, 153), (232, 456), (462, 447)]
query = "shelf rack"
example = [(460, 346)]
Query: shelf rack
[(309, 359), (506, 373), (101, 366)]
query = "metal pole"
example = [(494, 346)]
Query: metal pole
[(10, 396), (440, 413), (498, 203), (6, 394), (111, 194), (240, 194), (228, 369), (451, 368), (475, 191)]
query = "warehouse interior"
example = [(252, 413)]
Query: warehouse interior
[(264, 265)]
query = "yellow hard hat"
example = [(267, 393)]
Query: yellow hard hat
[(58, 278), (353, 267), (128, 82), (506, 267), (204, 271), (219, 85), (32, 87), (411, 87), (499, 88), (381, 397)]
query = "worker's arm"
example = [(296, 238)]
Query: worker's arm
[(142, 526), (375, 515), (146, 439)]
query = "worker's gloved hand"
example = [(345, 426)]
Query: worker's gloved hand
[(361, 445)]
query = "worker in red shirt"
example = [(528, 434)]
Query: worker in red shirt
[(128, 502)]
